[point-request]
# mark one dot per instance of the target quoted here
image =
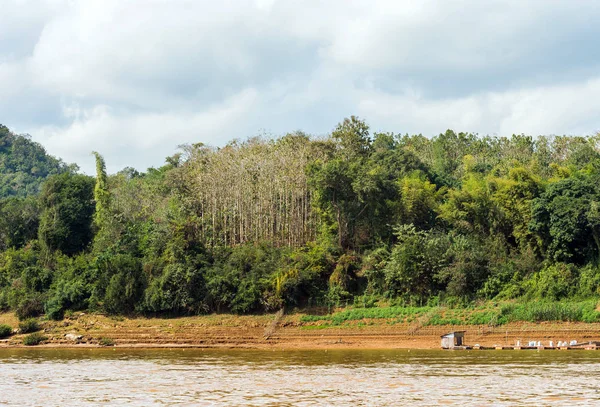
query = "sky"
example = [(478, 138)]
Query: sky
[(135, 79)]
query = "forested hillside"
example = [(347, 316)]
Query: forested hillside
[(24, 165), (355, 216)]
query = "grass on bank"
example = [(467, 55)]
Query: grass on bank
[(401, 314), (488, 314)]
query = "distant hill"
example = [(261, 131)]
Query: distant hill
[(24, 165)]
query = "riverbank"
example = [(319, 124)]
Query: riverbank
[(290, 332)]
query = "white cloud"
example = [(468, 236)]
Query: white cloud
[(134, 79), (560, 109), (133, 139)]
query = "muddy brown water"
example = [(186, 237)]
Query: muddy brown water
[(80, 377)]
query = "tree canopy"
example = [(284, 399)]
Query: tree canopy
[(298, 220)]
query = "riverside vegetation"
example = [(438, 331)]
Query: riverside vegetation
[(457, 220)]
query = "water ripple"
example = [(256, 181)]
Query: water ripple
[(300, 378)]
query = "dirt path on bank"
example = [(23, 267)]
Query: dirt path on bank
[(227, 331)]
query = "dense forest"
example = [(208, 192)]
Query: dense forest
[(24, 165), (298, 221)]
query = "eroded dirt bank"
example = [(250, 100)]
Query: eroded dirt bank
[(256, 332)]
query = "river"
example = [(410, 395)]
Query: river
[(80, 377)]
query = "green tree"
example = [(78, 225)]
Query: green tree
[(565, 217), (19, 220), (513, 196), (126, 283), (415, 260), (101, 193), (419, 201), (67, 209), (340, 184), (353, 137), (470, 209)]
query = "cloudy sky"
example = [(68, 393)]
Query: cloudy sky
[(134, 79)]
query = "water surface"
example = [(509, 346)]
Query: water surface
[(54, 377)]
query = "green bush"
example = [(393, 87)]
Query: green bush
[(34, 339), (5, 331), (125, 287), (553, 282), (414, 262), (590, 315), (236, 281), (54, 312), (69, 292), (29, 325), (106, 342), (366, 301), (174, 290), (30, 308), (589, 281)]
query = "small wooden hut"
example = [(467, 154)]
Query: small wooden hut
[(453, 339)]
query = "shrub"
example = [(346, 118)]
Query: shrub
[(125, 287), (174, 290), (106, 342), (298, 279), (237, 281), (366, 301), (417, 257), (29, 325), (373, 270), (30, 308), (590, 315), (5, 331), (34, 339), (54, 312), (553, 282), (589, 281)]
